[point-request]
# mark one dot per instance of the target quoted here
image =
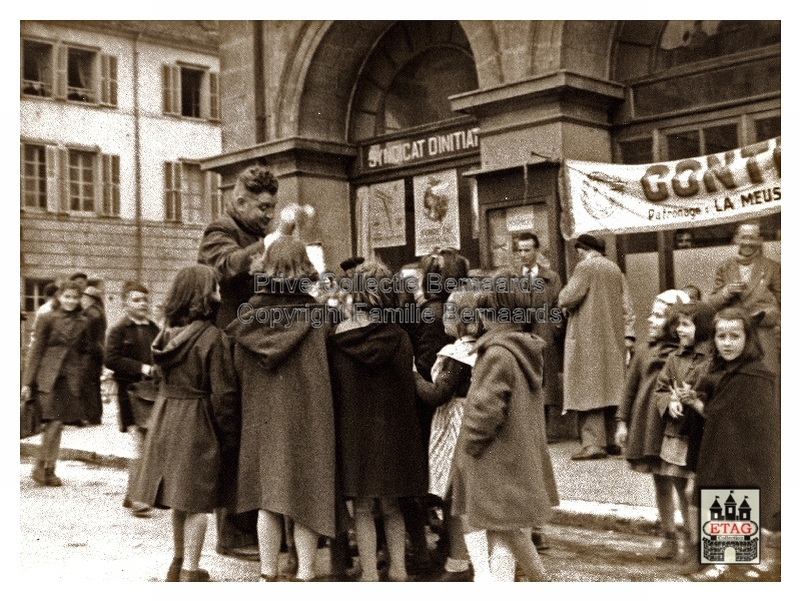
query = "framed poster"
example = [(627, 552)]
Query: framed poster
[(436, 212), (387, 214)]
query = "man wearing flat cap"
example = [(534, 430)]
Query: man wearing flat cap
[(594, 300)]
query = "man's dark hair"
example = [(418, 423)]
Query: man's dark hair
[(50, 289), (258, 179), (131, 286), (529, 236)]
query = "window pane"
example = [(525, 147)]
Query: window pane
[(683, 145), (80, 75), (768, 128), (691, 41), (81, 180), (35, 175), (191, 85), (636, 152), (418, 94), (37, 69), (193, 202), (720, 138)]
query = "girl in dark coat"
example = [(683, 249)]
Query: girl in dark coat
[(55, 370), (502, 477), (287, 457), (640, 427), (381, 452), (740, 446), (194, 418)]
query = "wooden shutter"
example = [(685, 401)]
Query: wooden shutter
[(63, 180), (55, 160), (171, 89), (213, 96), (110, 185), (172, 191), (60, 88), (108, 79)]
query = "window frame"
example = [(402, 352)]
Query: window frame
[(103, 74), (172, 91), (207, 205), (105, 179)]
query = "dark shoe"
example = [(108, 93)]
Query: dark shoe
[(668, 548), (265, 578), (38, 474), (195, 576), (140, 510), (174, 572), (589, 453), (50, 478), (126, 503), (614, 450), (540, 541), (247, 553)]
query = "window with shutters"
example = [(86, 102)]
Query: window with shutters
[(69, 180), (34, 176), (191, 195), (65, 72), (190, 91)]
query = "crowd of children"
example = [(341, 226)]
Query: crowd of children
[(335, 426)]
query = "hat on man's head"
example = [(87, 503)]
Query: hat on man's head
[(350, 263), (93, 292), (589, 241)]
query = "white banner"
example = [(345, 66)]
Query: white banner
[(605, 198)]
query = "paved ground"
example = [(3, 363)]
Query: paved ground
[(79, 533), (602, 493)]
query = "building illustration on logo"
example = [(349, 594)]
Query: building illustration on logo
[(730, 535)]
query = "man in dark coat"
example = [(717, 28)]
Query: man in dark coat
[(128, 355), (95, 314), (595, 345), (229, 245)]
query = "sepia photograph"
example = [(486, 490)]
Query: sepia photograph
[(345, 301)]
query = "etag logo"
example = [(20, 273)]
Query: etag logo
[(729, 528)]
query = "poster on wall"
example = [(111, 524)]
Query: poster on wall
[(436, 219), (387, 214)]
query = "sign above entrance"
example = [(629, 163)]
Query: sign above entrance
[(603, 198), (408, 151)]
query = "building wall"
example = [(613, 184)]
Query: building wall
[(130, 246)]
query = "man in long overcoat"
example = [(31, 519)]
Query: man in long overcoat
[(594, 349), (229, 245)]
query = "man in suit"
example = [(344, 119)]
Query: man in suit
[(128, 355)]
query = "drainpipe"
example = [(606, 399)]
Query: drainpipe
[(137, 153)]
